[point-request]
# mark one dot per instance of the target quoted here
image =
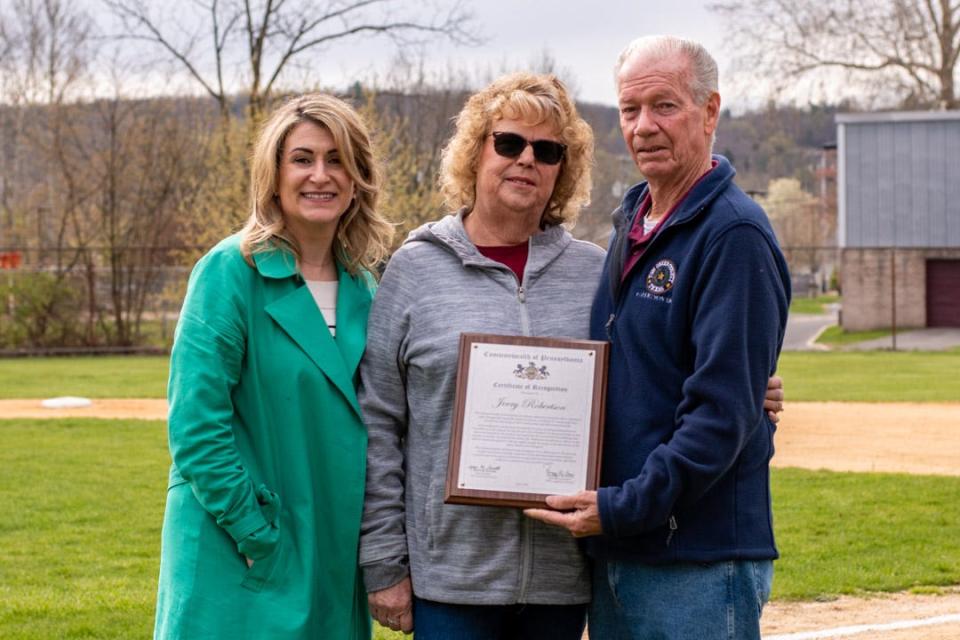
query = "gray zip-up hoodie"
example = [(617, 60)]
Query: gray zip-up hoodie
[(436, 286)]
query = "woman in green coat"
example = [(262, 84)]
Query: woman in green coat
[(266, 487)]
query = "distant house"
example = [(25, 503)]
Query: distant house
[(899, 219)]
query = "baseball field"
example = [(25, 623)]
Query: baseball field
[(866, 497)]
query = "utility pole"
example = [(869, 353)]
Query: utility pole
[(893, 294)]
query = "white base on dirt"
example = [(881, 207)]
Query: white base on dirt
[(65, 402)]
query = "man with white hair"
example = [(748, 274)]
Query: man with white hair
[(694, 301)]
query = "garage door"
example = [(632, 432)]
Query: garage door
[(943, 293)]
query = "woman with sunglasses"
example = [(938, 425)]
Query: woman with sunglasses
[(516, 170)]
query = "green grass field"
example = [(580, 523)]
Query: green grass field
[(872, 376), (83, 499), (83, 505), (878, 376), (849, 533), (812, 305), (835, 336), (91, 377), (80, 535)]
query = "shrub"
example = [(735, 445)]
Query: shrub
[(40, 309)]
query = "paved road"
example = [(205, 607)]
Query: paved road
[(803, 328)]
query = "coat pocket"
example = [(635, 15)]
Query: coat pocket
[(264, 571)]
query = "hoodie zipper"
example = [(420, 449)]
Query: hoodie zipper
[(526, 531), (522, 294), (524, 314), (673, 529), (526, 558), (609, 326)]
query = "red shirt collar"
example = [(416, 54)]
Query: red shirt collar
[(636, 234)]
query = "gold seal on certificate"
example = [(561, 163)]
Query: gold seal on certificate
[(528, 419)]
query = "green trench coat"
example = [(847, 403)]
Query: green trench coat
[(268, 453)]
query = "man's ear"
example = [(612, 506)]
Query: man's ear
[(712, 113)]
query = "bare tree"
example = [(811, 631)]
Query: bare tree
[(141, 160), (48, 46), (45, 45), (267, 35), (910, 46), (805, 227), (413, 111), (103, 182)]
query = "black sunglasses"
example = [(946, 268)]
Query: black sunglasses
[(511, 145)]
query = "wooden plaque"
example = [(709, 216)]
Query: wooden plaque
[(528, 419)]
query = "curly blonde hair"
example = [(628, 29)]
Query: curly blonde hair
[(535, 99), (363, 235)]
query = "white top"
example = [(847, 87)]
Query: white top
[(648, 224), (325, 295)]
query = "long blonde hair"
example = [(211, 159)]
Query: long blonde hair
[(363, 235), (535, 99)]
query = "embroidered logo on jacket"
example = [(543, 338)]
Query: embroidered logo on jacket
[(661, 277)]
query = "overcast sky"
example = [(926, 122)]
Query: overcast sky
[(583, 37)]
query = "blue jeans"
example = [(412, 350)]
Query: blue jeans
[(442, 621), (716, 601)]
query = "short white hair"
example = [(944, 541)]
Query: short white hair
[(703, 77)]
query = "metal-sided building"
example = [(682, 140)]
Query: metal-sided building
[(899, 219)]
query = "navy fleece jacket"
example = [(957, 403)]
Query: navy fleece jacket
[(696, 328)]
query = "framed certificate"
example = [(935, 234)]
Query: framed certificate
[(528, 419)]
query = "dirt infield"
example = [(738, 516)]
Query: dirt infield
[(143, 409), (901, 437), (861, 436), (842, 436), (788, 618)]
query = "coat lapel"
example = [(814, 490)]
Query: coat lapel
[(297, 314), (353, 306)]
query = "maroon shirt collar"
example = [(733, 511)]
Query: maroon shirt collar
[(638, 239), (513, 256)]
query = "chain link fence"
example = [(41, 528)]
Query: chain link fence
[(91, 299), (98, 300)]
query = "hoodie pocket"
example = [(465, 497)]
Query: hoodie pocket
[(431, 514)]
